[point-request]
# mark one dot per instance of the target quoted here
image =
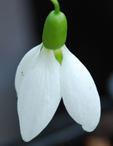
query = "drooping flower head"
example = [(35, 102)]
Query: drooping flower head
[(50, 72)]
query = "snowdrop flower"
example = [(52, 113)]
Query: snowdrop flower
[(49, 72)]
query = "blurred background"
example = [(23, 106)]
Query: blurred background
[(90, 34)]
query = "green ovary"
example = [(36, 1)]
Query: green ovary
[(55, 28)]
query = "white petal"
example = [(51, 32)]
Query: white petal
[(24, 65), (79, 92), (39, 94)]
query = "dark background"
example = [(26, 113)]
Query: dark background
[(90, 29)]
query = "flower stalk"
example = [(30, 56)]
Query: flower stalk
[(56, 5)]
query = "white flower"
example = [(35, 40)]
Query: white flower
[(41, 82)]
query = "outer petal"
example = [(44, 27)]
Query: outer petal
[(79, 92), (24, 65), (39, 94)]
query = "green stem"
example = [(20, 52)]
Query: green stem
[(56, 5)]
